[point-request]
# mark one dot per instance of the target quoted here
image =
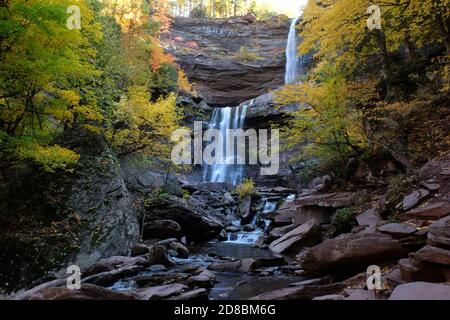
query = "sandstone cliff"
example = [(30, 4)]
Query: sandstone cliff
[(230, 60)]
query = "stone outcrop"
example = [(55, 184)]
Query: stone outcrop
[(421, 291), (213, 54), (102, 200), (196, 222), (305, 235), (350, 252)]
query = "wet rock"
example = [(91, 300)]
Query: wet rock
[(269, 262), (242, 265), (161, 229), (26, 295), (350, 252), (139, 249), (158, 255), (209, 274), (180, 249), (412, 199), (222, 235), (248, 228), (301, 293), (159, 292), (157, 268), (86, 292), (228, 198), (397, 230), (232, 229), (114, 263), (200, 281), (244, 209), (428, 212), (277, 233), (305, 235), (194, 295), (284, 216), (315, 281), (421, 291), (108, 278)]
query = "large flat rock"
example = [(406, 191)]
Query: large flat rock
[(421, 291)]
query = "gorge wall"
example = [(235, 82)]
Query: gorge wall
[(230, 60)]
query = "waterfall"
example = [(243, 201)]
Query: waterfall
[(224, 119), (292, 59)]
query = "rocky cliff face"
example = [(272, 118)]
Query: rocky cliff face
[(230, 60)]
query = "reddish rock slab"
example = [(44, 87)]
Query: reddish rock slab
[(421, 291), (433, 211), (333, 200)]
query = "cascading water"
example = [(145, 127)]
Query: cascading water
[(292, 59), (224, 119)]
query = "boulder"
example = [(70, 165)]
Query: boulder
[(161, 229), (421, 291), (278, 232), (283, 216), (86, 292), (306, 292), (244, 209), (439, 233), (114, 263), (397, 230), (350, 252), (412, 270), (200, 281), (241, 265), (412, 199), (304, 235), (276, 261), (433, 211), (158, 255), (182, 251), (194, 295), (332, 200), (158, 292), (369, 218), (139, 249), (305, 213), (197, 223), (359, 294), (433, 255), (108, 278)]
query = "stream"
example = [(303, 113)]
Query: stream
[(230, 285)]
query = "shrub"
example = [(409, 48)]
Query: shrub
[(244, 54), (342, 222), (246, 188)]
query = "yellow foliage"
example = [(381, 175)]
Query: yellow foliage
[(183, 82), (50, 158), (246, 189), (149, 126)]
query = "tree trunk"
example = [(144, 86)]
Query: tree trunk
[(387, 70)]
